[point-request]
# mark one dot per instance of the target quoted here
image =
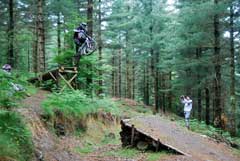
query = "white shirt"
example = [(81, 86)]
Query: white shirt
[(187, 104)]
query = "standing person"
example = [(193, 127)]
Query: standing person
[(187, 109)]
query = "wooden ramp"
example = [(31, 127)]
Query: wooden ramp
[(67, 74), (160, 133)]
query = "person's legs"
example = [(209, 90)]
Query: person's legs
[(187, 116)]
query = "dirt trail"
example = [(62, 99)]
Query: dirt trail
[(48, 147)]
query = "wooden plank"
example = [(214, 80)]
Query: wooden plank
[(154, 138), (67, 71), (132, 135), (52, 76)]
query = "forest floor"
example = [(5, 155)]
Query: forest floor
[(49, 147)]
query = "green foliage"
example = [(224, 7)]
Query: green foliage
[(85, 149), (76, 104), (8, 96), (65, 58), (133, 153), (15, 138), (124, 153), (155, 156), (209, 130)]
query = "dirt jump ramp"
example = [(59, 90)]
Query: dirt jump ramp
[(158, 133)]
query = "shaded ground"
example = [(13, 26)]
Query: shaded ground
[(195, 146)]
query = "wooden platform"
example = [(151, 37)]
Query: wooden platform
[(56, 75), (160, 133)]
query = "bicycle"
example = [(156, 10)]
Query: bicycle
[(87, 48)]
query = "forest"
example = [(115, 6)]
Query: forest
[(147, 55)]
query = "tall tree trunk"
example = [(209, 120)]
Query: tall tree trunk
[(156, 83), (90, 33), (59, 32), (217, 82), (113, 75), (133, 80), (40, 37), (198, 55), (199, 104), (10, 57), (34, 49), (163, 87), (169, 100), (146, 84), (90, 17), (100, 74), (233, 129), (128, 77), (207, 100), (120, 72), (128, 68)]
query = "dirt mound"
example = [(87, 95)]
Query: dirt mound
[(48, 147)]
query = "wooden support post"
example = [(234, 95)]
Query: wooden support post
[(132, 135), (157, 148), (68, 83), (52, 76)]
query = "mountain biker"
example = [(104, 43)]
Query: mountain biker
[(80, 36)]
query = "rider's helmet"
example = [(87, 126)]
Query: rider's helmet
[(83, 26), (7, 68)]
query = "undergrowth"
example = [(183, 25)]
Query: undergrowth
[(76, 104), (8, 96), (209, 130), (15, 139)]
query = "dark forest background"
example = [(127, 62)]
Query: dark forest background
[(151, 51)]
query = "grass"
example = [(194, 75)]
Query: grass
[(85, 150), (134, 153), (76, 104), (155, 156), (123, 153), (15, 138)]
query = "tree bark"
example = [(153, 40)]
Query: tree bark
[(10, 59), (156, 84), (120, 73), (198, 55), (170, 91), (90, 17), (233, 129), (217, 82), (113, 76), (34, 48), (100, 74), (40, 37), (146, 84), (207, 100), (90, 33), (59, 32)]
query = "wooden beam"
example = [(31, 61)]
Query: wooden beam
[(52, 76), (67, 82)]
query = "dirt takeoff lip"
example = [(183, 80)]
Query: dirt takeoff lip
[(160, 133)]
